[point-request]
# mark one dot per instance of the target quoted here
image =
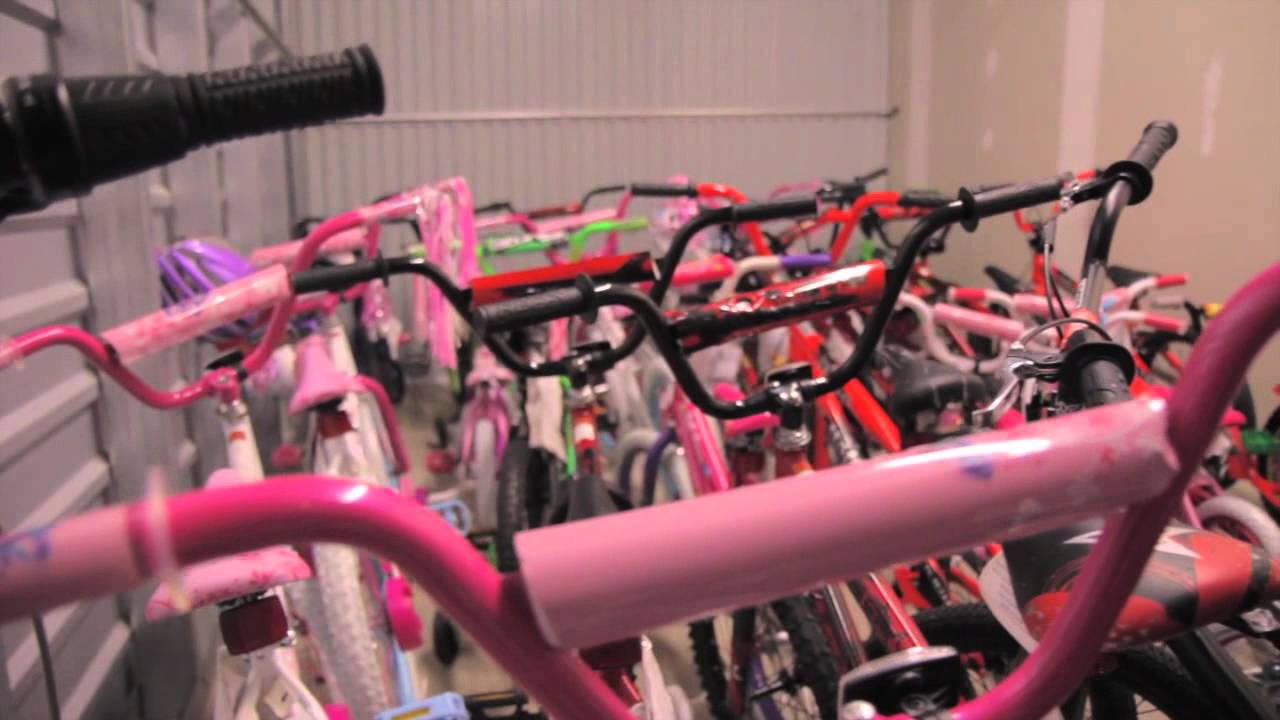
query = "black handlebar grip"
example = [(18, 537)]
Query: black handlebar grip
[(532, 309), (60, 137), (1102, 382), (922, 199), (1156, 140), (663, 190), (763, 212), (290, 93)]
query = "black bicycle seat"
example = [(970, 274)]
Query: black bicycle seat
[(926, 385), (1121, 275)]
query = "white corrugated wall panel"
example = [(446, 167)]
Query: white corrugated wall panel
[(538, 101), (68, 441)]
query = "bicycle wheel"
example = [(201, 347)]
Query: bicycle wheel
[(1241, 519), (484, 470), (352, 632), (1138, 682), (791, 675), (525, 485)]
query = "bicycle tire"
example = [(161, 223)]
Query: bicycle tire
[(1265, 533), (526, 480), (814, 666), (484, 471), (353, 652), (1150, 671), (512, 512)]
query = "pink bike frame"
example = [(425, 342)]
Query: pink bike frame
[(833, 523)]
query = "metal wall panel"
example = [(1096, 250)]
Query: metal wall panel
[(69, 442), (538, 101)]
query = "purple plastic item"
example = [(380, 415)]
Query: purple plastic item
[(191, 269), (808, 261)]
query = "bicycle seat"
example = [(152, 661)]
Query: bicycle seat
[(225, 578), (926, 385), (487, 369), (1193, 577), (1120, 275), (1005, 281), (319, 380)]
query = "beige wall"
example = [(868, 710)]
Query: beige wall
[(993, 71)]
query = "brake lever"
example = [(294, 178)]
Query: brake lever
[(1024, 366)]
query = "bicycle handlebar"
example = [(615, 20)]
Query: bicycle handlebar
[(1131, 183), (663, 190), (61, 137)]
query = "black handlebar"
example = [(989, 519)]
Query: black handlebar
[(1157, 139), (533, 309), (663, 190), (1131, 183), (922, 199), (61, 137)]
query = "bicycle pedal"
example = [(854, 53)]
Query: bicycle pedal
[(445, 706), (917, 681)]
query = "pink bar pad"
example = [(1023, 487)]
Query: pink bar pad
[(980, 323), (591, 582), (173, 325)]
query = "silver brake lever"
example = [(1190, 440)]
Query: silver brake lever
[(1021, 371)]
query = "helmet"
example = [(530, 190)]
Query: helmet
[(191, 268)]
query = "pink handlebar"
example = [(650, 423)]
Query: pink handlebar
[(979, 323), (360, 238), (191, 319), (104, 357), (750, 424), (1177, 280)]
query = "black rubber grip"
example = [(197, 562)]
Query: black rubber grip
[(762, 212), (1013, 197), (1102, 382), (922, 199), (663, 190), (1156, 140), (532, 309), (59, 138), (1094, 371)]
